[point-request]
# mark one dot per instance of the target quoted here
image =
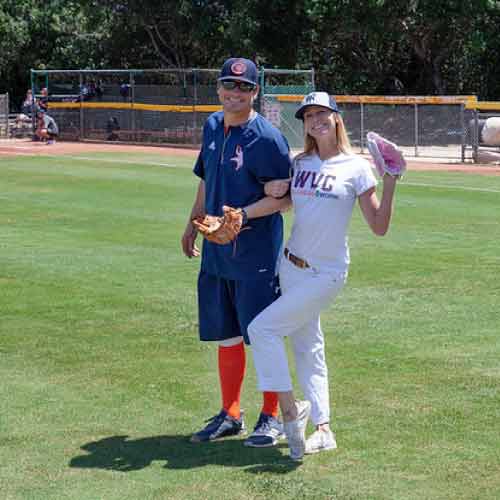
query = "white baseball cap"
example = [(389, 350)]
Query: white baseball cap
[(316, 99)]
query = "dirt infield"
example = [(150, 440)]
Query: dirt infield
[(24, 147)]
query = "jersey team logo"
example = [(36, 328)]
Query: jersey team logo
[(238, 68), (238, 157)]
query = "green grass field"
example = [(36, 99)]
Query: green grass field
[(104, 380)]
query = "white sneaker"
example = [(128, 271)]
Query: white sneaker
[(320, 440), (295, 431)]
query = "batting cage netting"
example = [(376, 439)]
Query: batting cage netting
[(4, 115)]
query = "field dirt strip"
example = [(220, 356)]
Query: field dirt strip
[(28, 148)]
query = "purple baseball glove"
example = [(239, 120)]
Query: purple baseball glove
[(388, 158)]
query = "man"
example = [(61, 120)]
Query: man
[(112, 126), (47, 129), (241, 151)]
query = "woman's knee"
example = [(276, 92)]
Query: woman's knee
[(260, 329)]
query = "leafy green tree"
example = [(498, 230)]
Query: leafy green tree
[(355, 46), (50, 34)]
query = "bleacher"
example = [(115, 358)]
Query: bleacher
[(19, 129)]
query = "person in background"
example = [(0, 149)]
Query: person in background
[(125, 91), (24, 118), (47, 129), (28, 103), (43, 100), (112, 126)]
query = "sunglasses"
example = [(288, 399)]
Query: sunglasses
[(232, 84)]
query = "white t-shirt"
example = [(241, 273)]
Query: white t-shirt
[(323, 195)]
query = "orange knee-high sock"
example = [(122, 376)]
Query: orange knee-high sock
[(270, 404), (232, 361)]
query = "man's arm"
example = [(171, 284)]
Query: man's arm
[(189, 237)]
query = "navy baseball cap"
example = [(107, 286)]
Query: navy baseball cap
[(316, 99), (237, 68)]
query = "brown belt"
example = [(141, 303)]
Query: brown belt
[(297, 261)]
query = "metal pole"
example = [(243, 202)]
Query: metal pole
[(475, 145), (416, 129), (33, 104), (195, 103), (260, 100), (81, 106), (464, 137), (7, 109), (132, 102), (362, 131)]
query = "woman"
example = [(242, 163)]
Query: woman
[(327, 180)]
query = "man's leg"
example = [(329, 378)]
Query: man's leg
[(232, 364), (268, 429), (217, 322), (270, 403)]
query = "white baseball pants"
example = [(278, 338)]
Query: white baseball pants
[(296, 314)]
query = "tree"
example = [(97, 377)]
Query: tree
[(355, 46), (52, 34)]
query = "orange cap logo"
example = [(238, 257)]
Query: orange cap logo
[(238, 68)]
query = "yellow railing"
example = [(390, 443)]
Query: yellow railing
[(206, 108)]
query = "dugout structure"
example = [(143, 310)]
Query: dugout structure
[(478, 113), (162, 106), (4, 115), (433, 126)]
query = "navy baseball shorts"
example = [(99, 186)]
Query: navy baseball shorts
[(226, 307)]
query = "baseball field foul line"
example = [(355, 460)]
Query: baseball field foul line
[(85, 158), (450, 186)]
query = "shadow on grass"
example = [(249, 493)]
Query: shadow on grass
[(118, 453)]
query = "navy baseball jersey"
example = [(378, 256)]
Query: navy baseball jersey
[(235, 166)]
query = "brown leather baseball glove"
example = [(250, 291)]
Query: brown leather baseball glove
[(220, 230)]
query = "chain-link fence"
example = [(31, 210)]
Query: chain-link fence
[(149, 106), (277, 86), (4, 115), (171, 107), (422, 126), (152, 106)]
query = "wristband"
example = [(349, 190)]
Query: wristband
[(244, 219)]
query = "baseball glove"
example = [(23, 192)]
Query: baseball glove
[(388, 158), (220, 230)]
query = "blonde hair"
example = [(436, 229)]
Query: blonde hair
[(343, 142)]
